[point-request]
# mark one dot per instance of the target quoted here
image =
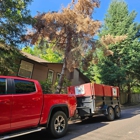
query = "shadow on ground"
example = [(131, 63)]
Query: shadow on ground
[(78, 127), (75, 129)]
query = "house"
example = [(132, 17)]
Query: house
[(39, 69)]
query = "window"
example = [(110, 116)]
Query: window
[(58, 76), (50, 76), (22, 86), (2, 86), (25, 69)]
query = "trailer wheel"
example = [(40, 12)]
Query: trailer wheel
[(58, 124), (111, 114), (117, 111)]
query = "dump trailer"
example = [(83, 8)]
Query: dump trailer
[(96, 99)]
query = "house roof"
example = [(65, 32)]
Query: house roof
[(34, 58)]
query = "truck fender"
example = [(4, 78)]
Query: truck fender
[(58, 107)]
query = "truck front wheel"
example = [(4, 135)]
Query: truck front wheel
[(111, 114), (58, 124)]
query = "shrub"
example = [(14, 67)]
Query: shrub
[(46, 86)]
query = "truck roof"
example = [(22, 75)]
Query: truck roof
[(16, 77)]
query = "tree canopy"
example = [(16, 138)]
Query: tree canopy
[(14, 18), (45, 52), (122, 68)]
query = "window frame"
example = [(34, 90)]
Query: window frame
[(51, 77), (57, 76), (25, 69)]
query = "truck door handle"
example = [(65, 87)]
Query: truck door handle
[(35, 99)]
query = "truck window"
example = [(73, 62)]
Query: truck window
[(24, 87), (2, 86)]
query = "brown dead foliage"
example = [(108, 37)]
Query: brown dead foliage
[(72, 29)]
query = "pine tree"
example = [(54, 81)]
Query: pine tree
[(122, 68), (72, 29), (14, 18)]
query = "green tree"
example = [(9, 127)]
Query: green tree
[(33, 50), (8, 58), (52, 56), (45, 52), (14, 18), (122, 68)]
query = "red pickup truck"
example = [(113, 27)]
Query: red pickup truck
[(25, 109)]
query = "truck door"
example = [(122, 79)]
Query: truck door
[(5, 106), (27, 105)]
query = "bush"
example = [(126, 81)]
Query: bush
[(46, 87), (66, 83)]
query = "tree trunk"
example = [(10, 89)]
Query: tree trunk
[(64, 68), (129, 93), (61, 79)]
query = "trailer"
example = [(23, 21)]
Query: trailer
[(96, 99)]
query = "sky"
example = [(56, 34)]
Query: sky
[(99, 14)]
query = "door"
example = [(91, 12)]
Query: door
[(27, 105), (5, 106)]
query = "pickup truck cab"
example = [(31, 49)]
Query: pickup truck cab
[(25, 109)]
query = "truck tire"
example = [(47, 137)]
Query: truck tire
[(58, 124), (111, 114), (117, 111)]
